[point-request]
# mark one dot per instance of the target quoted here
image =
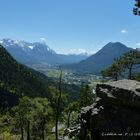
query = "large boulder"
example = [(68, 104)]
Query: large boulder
[(115, 115)]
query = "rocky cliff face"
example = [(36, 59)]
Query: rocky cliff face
[(116, 113)]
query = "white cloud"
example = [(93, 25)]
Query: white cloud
[(77, 51), (31, 47), (123, 31), (43, 39), (80, 51), (1, 41)]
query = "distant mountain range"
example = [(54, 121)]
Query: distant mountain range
[(101, 60), (38, 53)]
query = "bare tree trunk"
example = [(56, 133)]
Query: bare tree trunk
[(21, 129), (68, 121), (43, 134), (22, 133), (28, 130), (130, 73), (43, 129), (58, 105), (116, 77)]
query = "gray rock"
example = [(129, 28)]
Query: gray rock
[(116, 113)]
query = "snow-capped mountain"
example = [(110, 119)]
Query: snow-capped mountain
[(9, 43), (42, 48), (38, 52), (26, 46), (27, 52)]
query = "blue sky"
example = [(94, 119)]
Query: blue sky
[(71, 25)]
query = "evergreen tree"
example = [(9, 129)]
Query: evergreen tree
[(71, 107), (127, 63), (131, 61), (114, 70), (136, 9), (32, 116), (86, 97)]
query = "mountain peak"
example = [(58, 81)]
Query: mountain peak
[(114, 44), (25, 46), (37, 52), (7, 42), (102, 59), (43, 47)]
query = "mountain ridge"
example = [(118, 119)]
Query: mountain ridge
[(37, 52), (100, 60)]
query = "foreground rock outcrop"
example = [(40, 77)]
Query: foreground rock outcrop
[(116, 113)]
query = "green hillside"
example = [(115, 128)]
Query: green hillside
[(21, 80)]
